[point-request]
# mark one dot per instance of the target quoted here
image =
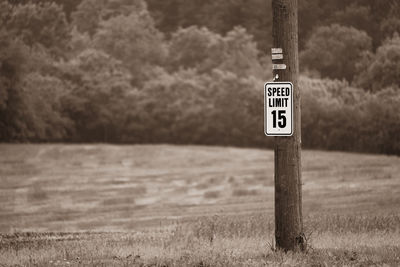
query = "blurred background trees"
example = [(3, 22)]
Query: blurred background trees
[(191, 72), (382, 69), (334, 51)]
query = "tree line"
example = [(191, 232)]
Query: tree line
[(191, 72)]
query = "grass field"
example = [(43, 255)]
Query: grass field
[(91, 205)]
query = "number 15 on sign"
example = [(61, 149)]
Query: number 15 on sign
[(278, 109)]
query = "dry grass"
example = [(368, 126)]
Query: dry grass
[(189, 206), (211, 241), (211, 194)]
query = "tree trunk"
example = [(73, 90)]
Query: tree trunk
[(288, 198)]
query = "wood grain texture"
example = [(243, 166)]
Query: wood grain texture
[(288, 198)]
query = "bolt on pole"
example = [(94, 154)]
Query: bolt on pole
[(288, 196)]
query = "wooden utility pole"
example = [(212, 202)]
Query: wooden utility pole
[(288, 198)]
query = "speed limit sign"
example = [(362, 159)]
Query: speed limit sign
[(278, 109)]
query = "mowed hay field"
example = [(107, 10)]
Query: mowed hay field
[(164, 205)]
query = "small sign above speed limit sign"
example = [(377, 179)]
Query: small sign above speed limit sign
[(278, 109)]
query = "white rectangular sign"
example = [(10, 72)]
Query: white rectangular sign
[(277, 56), (278, 66), (276, 50), (278, 109)]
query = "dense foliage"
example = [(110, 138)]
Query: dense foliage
[(185, 72)]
